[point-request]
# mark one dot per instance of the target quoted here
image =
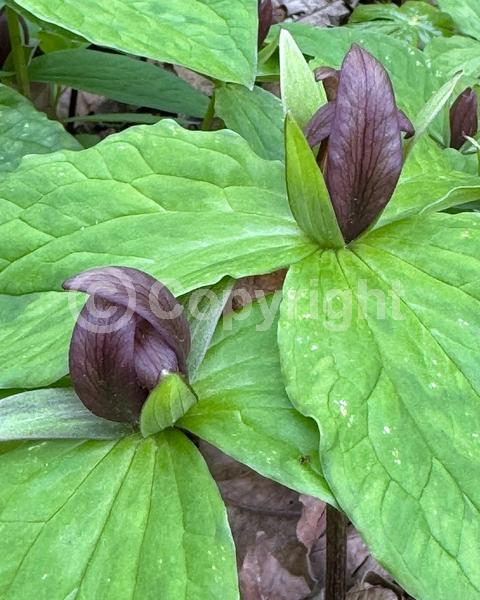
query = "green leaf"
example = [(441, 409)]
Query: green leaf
[(432, 109), (188, 207), (24, 130), (243, 408), (53, 414), (466, 15), (414, 22), (257, 115), (204, 308), (411, 77), (166, 404), (385, 359), (215, 38), (448, 56), (302, 96), (428, 184), (307, 192), (113, 520), (119, 77)]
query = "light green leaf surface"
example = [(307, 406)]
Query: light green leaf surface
[(448, 56), (432, 109), (256, 115), (24, 130), (302, 96), (243, 408), (53, 414), (119, 77), (414, 22), (113, 520), (385, 358), (428, 184), (307, 192), (465, 13), (187, 207), (411, 77), (166, 404), (211, 36)]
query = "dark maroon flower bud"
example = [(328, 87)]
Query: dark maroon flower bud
[(364, 154), (265, 19), (463, 118), (130, 334)]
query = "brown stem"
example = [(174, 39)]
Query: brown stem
[(336, 554)]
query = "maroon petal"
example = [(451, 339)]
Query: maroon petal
[(365, 148), (405, 125), (102, 364), (153, 358), (265, 19), (329, 77), (320, 125), (142, 295), (463, 118)]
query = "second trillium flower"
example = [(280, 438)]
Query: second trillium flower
[(130, 334), (359, 135)]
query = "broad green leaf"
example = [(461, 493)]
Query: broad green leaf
[(215, 38), (24, 130), (203, 309), (302, 96), (465, 13), (448, 56), (307, 192), (243, 408), (432, 109), (166, 404), (379, 344), (119, 77), (411, 77), (257, 115), (428, 184), (188, 207), (414, 22), (116, 520), (53, 414)]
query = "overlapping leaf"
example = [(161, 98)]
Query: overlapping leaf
[(119, 77), (187, 207), (380, 345), (215, 38), (243, 408), (115, 520), (24, 130), (466, 15)]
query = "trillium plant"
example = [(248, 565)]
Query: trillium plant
[(357, 383)]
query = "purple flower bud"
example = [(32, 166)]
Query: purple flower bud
[(364, 154), (130, 333), (463, 118)]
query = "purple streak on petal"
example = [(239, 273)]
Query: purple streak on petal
[(329, 77), (405, 125), (153, 358), (463, 118), (101, 361), (265, 19), (320, 125), (364, 149), (144, 296)]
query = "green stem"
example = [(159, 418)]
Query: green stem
[(18, 53), (209, 115)]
